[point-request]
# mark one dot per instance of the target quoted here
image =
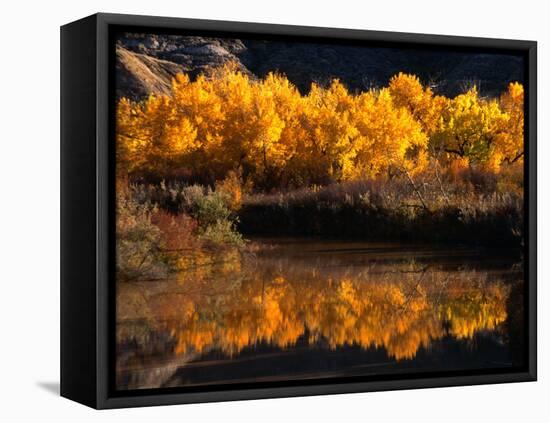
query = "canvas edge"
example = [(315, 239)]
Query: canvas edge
[(78, 308), (532, 212)]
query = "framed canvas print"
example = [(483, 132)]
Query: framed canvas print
[(255, 211)]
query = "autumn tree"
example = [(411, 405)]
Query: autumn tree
[(510, 142), (389, 137), (264, 130), (470, 128), (407, 91), (151, 136), (330, 132)]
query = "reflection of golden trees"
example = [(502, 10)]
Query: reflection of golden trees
[(398, 307)]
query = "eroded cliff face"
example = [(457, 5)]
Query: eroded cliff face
[(139, 75), (146, 64)]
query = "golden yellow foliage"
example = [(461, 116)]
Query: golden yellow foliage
[(483, 131), (407, 91), (510, 141), (390, 137), (232, 188), (272, 135)]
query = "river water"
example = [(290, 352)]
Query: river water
[(295, 309)]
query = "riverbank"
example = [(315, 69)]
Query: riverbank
[(166, 227), (370, 212)]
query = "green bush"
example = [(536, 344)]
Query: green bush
[(221, 233), (187, 196), (216, 223), (210, 209)]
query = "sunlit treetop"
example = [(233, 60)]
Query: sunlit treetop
[(268, 132)]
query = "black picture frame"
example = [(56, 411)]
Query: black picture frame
[(87, 213)]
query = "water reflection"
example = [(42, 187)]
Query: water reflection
[(327, 297)]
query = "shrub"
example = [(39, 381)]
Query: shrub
[(216, 223), (221, 233), (189, 196), (210, 209), (153, 240), (233, 189), (178, 232), (138, 252)]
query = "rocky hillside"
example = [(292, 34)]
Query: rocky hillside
[(147, 63)]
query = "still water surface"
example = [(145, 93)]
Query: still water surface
[(303, 309)]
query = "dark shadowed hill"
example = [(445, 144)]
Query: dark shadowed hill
[(147, 63)]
